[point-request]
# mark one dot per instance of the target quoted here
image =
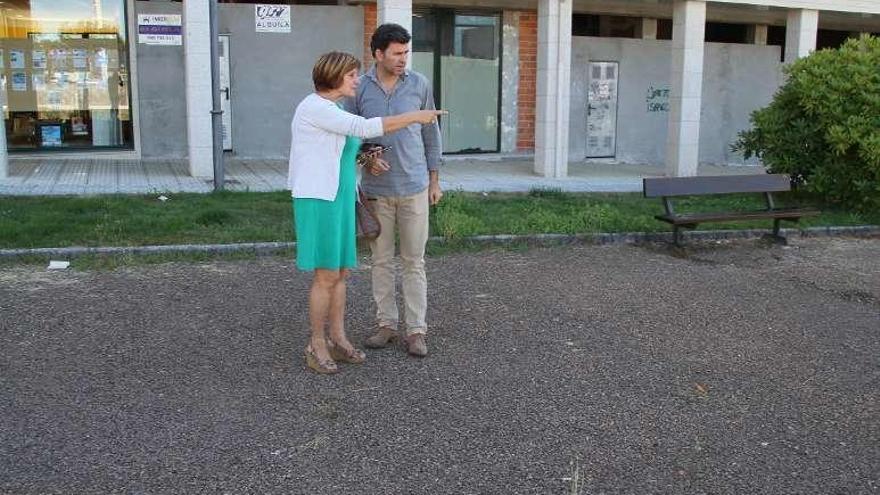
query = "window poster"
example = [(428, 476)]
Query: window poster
[(16, 59), (19, 81), (39, 81), (45, 37), (102, 60), (58, 56), (38, 58), (80, 59), (50, 135), (78, 126), (53, 98)]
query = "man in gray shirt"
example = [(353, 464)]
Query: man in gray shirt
[(401, 195)]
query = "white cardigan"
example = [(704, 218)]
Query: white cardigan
[(318, 133)]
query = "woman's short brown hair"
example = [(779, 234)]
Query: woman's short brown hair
[(329, 70)]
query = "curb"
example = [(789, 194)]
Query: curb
[(643, 237), (74, 252), (265, 248)]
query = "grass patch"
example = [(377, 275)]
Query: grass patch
[(543, 212), (231, 217), (122, 220)]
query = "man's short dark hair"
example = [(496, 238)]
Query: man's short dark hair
[(387, 34)]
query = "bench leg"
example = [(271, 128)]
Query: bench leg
[(776, 237), (676, 236)]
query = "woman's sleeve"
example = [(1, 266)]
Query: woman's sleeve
[(334, 119)]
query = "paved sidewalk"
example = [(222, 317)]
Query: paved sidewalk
[(485, 173), (737, 368)]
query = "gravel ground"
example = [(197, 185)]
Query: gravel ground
[(726, 368)]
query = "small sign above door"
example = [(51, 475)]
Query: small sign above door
[(272, 18)]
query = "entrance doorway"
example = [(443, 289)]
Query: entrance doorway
[(460, 53), (225, 92), (602, 110)]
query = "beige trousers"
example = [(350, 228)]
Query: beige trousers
[(409, 214)]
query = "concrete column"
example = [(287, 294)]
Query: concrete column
[(509, 80), (197, 70), (649, 28), (553, 88), (398, 12), (801, 30), (686, 88), (759, 34)]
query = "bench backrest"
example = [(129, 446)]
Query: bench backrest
[(721, 184)]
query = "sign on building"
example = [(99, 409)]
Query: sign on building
[(272, 18), (159, 29)]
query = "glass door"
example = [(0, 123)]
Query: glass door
[(461, 54)]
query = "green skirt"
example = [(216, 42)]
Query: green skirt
[(325, 230)]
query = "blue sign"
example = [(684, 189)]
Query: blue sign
[(50, 135)]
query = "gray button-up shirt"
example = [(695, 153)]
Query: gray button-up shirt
[(415, 149)]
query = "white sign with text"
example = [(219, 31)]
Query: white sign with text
[(160, 29), (272, 18)]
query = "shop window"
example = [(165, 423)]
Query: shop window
[(272, 2), (584, 25), (829, 38), (664, 29), (720, 32), (606, 26), (619, 27), (286, 2), (65, 73), (776, 36)]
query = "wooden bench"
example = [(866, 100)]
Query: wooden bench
[(766, 184)]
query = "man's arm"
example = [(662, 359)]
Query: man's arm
[(433, 149)]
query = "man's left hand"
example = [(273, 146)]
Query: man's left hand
[(435, 194), (378, 166)]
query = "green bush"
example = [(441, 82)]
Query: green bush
[(823, 126)]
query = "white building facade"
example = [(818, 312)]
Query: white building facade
[(665, 82)]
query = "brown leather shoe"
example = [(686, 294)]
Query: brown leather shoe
[(381, 338), (416, 345)]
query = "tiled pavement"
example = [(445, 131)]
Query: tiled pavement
[(484, 173)]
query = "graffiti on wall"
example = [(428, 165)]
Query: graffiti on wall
[(658, 99)]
